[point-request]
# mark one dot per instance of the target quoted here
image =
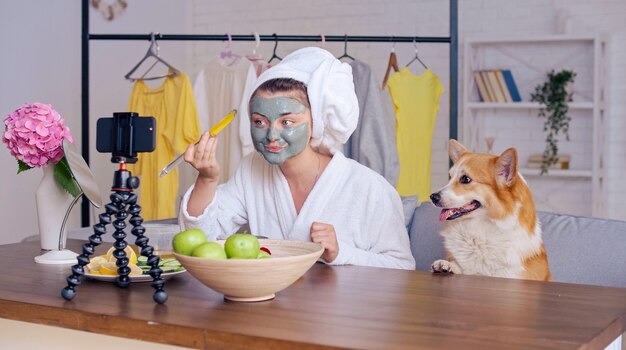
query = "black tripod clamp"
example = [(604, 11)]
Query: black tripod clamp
[(123, 203)]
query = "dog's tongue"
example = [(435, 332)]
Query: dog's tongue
[(445, 214)]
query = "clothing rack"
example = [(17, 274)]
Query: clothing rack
[(86, 36)]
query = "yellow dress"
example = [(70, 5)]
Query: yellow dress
[(416, 102), (173, 106)]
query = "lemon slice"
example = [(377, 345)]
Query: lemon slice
[(108, 268), (135, 270), (130, 253), (95, 263)]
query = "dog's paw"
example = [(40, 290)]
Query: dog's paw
[(444, 266)]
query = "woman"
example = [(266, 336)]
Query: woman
[(299, 186)]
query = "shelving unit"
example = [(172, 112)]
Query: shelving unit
[(523, 105), (572, 173), (516, 124)]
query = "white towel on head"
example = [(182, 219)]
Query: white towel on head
[(330, 87)]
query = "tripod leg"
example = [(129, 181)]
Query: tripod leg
[(121, 199), (160, 295), (69, 292)]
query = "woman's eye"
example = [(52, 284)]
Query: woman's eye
[(259, 123), (465, 179), (287, 123)]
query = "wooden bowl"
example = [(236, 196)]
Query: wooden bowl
[(255, 279)]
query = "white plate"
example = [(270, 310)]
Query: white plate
[(140, 278)]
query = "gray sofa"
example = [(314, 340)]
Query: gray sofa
[(580, 249)]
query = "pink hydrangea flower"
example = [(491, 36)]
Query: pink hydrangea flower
[(34, 134)]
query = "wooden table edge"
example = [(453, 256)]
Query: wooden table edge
[(608, 335)]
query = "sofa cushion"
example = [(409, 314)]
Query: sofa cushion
[(426, 244), (582, 250)]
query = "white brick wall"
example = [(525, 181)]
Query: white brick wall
[(487, 18), (478, 18)]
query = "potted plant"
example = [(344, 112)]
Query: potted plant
[(553, 96)]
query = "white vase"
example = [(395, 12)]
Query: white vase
[(52, 204)]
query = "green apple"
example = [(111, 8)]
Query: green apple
[(211, 250), (186, 241), (242, 246), (263, 255)]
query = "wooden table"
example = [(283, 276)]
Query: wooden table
[(333, 307)]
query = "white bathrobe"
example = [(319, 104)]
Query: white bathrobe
[(364, 209)]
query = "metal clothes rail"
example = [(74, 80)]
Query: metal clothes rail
[(86, 36), (272, 37)]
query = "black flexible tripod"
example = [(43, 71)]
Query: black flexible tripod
[(123, 203)]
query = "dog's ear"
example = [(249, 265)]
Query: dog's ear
[(506, 166), (456, 150)]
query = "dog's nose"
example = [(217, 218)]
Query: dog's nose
[(435, 198)]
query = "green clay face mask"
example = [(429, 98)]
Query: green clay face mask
[(278, 142)]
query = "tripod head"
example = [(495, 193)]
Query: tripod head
[(123, 180)]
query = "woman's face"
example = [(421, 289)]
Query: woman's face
[(280, 125)]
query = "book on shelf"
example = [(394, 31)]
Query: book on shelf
[(482, 88), (495, 86), (503, 86), (511, 86), (535, 160), (492, 94)]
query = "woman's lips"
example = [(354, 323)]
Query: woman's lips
[(273, 148)]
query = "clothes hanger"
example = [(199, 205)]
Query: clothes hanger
[(391, 64), (416, 58), (153, 51), (257, 59), (274, 55), (228, 53), (345, 49), (254, 56)]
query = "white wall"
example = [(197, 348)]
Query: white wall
[(495, 18), (40, 45), (40, 60)]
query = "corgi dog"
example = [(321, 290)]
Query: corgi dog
[(490, 224)]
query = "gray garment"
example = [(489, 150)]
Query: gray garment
[(373, 143)]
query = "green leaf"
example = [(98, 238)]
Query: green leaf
[(553, 98), (21, 166), (63, 176)]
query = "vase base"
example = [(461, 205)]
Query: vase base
[(57, 257)]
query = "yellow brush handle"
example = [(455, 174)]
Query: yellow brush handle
[(215, 129)]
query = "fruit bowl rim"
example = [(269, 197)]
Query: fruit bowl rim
[(283, 259)]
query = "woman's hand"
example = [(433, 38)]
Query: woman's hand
[(324, 234), (202, 157)]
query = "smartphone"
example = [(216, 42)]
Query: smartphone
[(126, 134)]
